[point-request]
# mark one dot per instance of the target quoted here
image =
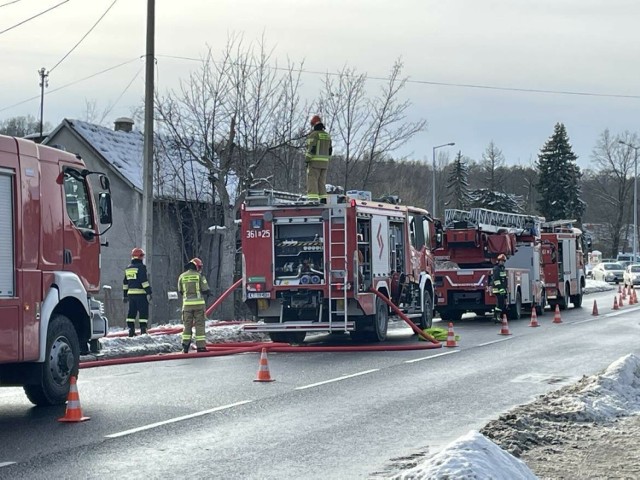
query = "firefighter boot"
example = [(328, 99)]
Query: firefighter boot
[(143, 329), (132, 329), (202, 349), (185, 347)]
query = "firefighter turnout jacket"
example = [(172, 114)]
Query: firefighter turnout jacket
[(319, 148), (135, 280), (499, 278), (193, 285)]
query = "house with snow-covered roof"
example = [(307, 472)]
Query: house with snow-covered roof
[(182, 190)]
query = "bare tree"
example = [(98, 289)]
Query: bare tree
[(492, 161), (612, 186), (230, 116), (366, 130)]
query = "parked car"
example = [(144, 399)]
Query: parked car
[(631, 275), (608, 272)]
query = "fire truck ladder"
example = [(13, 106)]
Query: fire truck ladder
[(337, 252), (491, 220)]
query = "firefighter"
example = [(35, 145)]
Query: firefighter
[(319, 150), (194, 289), (137, 292), (499, 278)]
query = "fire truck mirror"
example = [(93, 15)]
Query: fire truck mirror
[(104, 206), (104, 182)]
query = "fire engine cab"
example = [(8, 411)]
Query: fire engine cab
[(563, 255), (471, 241), (312, 267)]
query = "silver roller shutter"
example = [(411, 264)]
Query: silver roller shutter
[(7, 269)]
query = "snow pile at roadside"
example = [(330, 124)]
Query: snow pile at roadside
[(470, 456), (593, 286), (599, 398)]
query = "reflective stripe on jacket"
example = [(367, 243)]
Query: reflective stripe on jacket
[(499, 279), (135, 279), (318, 146), (192, 284)]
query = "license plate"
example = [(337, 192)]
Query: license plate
[(258, 295)]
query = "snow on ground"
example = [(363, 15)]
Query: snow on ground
[(612, 394)]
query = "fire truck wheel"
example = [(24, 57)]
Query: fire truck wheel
[(577, 300), (61, 363), (426, 320), (293, 338), (515, 311), (563, 302), (380, 321)]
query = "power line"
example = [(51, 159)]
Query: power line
[(31, 18), (71, 83), (84, 36), (123, 92), (448, 84), (9, 3)]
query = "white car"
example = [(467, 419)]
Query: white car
[(608, 272), (631, 275)]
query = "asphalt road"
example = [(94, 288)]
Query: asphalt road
[(326, 416)]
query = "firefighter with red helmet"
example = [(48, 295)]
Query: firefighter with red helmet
[(319, 150), (499, 279), (194, 288), (137, 292)]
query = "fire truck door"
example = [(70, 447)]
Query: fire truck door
[(380, 246)]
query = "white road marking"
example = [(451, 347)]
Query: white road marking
[(432, 356), (337, 379), (6, 464), (177, 419), (494, 341)]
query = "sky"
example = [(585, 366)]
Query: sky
[(475, 68), (610, 394)]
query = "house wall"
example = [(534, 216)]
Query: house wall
[(125, 234)]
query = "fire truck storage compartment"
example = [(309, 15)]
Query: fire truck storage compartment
[(7, 278), (299, 251)]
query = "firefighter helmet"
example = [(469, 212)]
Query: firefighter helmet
[(502, 257), (315, 119), (197, 263), (137, 253)]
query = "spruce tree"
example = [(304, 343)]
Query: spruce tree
[(458, 184), (559, 179)]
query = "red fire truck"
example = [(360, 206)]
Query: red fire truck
[(563, 257), (49, 267), (310, 267), (471, 240)]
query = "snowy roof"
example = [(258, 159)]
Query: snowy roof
[(174, 177)]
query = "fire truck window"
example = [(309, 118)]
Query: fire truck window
[(77, 202), (427, 231)]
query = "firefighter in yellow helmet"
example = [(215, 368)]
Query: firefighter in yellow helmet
[(194, 288), (137, 292), (499, 279), (319, 150)]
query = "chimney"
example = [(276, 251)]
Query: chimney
[(123, 124)]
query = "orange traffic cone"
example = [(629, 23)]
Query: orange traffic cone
[(73, 412), (594, 312), (624, 293), (635, 296), (534, 318), (505, 326), (615, 303), (451, 337), (556, 315), (620, 301), (263, 368), (619, 289)]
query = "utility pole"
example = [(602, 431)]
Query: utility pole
[(44, 75), (147, 160)]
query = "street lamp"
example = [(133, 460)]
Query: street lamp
[(635, 197), (433, 180)]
